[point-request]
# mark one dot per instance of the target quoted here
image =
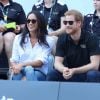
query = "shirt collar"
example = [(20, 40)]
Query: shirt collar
[(81, 37), (94, 15)]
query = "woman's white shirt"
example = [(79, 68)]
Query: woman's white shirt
[(29, 53)]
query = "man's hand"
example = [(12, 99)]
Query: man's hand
[(68, 73)]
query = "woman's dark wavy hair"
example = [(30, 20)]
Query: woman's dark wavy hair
[(41, 31)]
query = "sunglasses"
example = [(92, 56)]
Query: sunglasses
[(33, 21), (68, 22)]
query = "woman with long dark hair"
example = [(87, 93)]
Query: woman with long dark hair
[(31, 49)]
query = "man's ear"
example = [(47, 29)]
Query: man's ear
[(79, 23)]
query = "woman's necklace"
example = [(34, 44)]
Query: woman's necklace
[(33, 41)]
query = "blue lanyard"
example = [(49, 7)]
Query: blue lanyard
[(91, 24), (50, 14), (5, 13)]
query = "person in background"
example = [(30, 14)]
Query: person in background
[(12, 20), (31, 50), (53, 13), (77, 53), (92, 21)]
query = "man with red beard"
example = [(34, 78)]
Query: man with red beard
[(77, 53)]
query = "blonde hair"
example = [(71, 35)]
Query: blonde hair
[(78, 16)]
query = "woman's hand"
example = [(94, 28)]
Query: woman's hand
[(16, 68), (18, 28), (2, 28)]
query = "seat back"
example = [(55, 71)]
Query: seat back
[(3, 65)]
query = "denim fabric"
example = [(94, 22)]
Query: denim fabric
[(34, 74), (93, 76), (31, 74)]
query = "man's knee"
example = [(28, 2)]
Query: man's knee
[(93, 76), (53, 75)]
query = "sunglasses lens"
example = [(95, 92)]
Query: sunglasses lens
[(68, 22), (28, 21), (65, 22), (71, 22), (33, 21)]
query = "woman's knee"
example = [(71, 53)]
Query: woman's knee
[(29, 73), (40, 76), (17, 77), (9, 38), (28, 69), (10, 35)]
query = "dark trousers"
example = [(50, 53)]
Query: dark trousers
[(90, 76), (93, 76)]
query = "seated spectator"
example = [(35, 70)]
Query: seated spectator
[(77, 54), (31, 50), (53, 12), (92, 21), (12, 20)]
